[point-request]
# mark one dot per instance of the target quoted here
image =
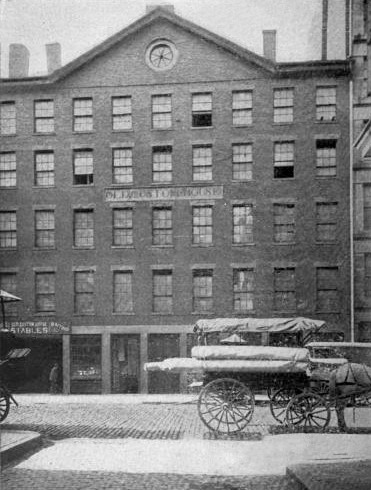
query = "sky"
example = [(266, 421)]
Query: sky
[(78, 25)]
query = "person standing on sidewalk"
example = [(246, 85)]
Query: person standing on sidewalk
[(53, 378)]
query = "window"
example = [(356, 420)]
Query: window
[(326, 158), (367, 276), (162, 291), (283, 105), (121, 113), (283, 160), (8, 229), (284, 289), (45, 300), (367, 207), (327, 293), (122, 226), (83, 114), (8, 169), (83, 167), (83, 228), (326, 221), (161, 111), (202, 225), (8, 282), (44, 229), (84, 292), (123, 294), (284, 223), (202, 291), (242, 108), (201, 110), (7, 118), (201, 163), (326, 103), (162, 164), (243, 290), (44, 169), (162, 226), (242, 162), (242, 224), (44, 116), (122, 166)]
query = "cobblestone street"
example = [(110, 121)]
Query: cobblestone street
[(155, 421)]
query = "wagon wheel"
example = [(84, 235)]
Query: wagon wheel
[(308, 410), (226, 405), (4, 404), (279, 401)]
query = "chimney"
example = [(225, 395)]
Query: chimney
[(269, 44), (19, 57), (324, 29), (166, 6), (53, 54)]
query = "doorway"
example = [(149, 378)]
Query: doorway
[(125, 363)]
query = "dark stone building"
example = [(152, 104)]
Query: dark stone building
[(166, 175)]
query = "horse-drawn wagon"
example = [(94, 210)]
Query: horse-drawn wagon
[(232, 373)]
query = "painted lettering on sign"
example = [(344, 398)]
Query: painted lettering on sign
[(38, 328), (164, 193)]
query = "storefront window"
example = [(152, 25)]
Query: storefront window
[(86, 370)]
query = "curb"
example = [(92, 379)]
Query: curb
[(25, 442)]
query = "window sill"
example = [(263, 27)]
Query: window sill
[(8, 135), (201, 245), (168, 182), (154, 313), (206, 182), (122, 246), (283, 179), (43, 186), (82, 185), (324, 177), (53, 133), (83, 132), (317, 242), (162, 129), (244, 312), (284, 243), (326, 122), (203, 312), (242, 125), (84, 314), (242, 181), (8, 249), (243, 244), (124, 313), (123, 130), (124, 184), (74, 247), (283, 123), (201, 127), (8, 187), (43, 249), (45, 313), (161, 246)]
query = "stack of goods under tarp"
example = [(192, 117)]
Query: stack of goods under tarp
[(237, 358)]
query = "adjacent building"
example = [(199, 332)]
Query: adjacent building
[(164, 176)]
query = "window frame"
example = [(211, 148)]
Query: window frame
[(127, 231), (49, 174), (208, 286), (4, 121), (162, 236), (279, 116), (124, 113), (88, 239), (88, 115), (127, 169), (319, 305), (280, 302), (10, 233), (167, 112), (245, 162), (8, 174), (325, 158), (11, 287), (88, 293), (42, 118), (198, 167), (88, 176), (42, 294), (202, 223), (244, 294), (320, 104), (49, 231), (205, 115), (329, 220), (284, 159), (159, 300), (162, 164), (366, 190), (124, 294), (237, 108), (280, 225), (236, 225)]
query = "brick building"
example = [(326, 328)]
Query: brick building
[(361, 55), (167, 175)]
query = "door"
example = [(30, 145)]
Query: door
[(125, 359), (162, 346)]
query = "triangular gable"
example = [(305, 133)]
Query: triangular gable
[(146, 20)]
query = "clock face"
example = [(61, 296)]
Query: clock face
[(161, 56)]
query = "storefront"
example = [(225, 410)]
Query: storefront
[(44, 338)]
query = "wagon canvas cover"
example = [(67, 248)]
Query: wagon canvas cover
[(176, 364), (252, 352), (278, 325)]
